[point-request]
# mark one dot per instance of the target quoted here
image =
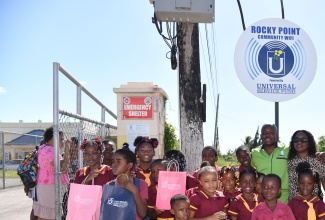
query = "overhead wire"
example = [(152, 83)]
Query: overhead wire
[(206, 68), (215, 60), (210, 65)]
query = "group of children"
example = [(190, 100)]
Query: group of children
[(253, 197), (212, 193)]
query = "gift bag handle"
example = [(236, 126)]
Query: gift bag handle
[(171, 163), (92, 181)]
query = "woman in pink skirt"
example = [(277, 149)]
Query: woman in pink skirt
[(44, 207)]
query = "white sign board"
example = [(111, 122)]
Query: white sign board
[(135, 130), (275, 60)]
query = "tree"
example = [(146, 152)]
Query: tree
[(321, 143), (250, 142), (170, 140)]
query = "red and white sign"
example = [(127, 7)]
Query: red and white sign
[(139, 107)]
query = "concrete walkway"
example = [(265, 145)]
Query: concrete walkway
[(14, 205)]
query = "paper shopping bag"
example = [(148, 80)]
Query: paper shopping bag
[(169, 184), (84, 202), (117, 204)]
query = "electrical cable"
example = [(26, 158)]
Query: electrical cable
[(241, 15), (282, 9), (206, 70), (215, 58), (170, 40), (210, 62)]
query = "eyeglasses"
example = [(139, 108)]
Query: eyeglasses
[(302, 140)]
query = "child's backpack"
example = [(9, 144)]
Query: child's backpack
[(27, 169)]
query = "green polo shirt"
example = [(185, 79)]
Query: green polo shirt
[(276, 163)]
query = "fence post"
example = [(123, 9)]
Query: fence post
[(3, 160), (57, 175)]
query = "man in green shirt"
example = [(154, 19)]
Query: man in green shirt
[(270, 158)]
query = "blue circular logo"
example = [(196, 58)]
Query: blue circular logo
[(276, 59)]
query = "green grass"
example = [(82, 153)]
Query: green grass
[(222, 162), (9, 174)]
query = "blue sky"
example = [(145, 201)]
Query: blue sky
[(108, 43)]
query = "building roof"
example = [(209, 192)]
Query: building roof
[(27, 139)]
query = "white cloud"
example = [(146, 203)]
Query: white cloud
[(2, 90)]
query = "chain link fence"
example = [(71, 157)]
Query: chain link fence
[(76, 128), (15, 146)]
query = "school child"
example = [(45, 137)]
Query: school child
[(123, 163), (191, 191), (258, 187), (180, 207), (209, 154), (229, 182), (244, 158), (307, 205), (95, 173), (208, 202), (156, 166), (272, 208), (145, 150), (242, 206), (109, 148)]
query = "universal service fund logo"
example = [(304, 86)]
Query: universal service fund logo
[(275, 59)]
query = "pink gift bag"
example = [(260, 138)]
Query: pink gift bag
[(84, 202), (169, 184)]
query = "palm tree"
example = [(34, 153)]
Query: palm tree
[(248, 142)]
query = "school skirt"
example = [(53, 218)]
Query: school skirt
[(44, 207)]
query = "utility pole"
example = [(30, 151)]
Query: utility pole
[(190, 106)]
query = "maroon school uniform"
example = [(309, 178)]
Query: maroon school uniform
[(105, 175), (190, 182), (204, 205), (241, 168), (192, 191), (231, 195), (281, 212), (300, 208), (152, 196), (241, 208), (196, 172), (144, 175)]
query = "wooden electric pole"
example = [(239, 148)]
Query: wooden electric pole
[(191, 124)]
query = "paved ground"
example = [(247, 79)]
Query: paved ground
[(14, 205), (10, 182)]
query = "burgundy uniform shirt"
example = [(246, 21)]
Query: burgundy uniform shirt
[(204, 205), (300, 208), (105, 175), (144, 175), (242, 209), (241, 168), (231, 195), (281, 212)]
